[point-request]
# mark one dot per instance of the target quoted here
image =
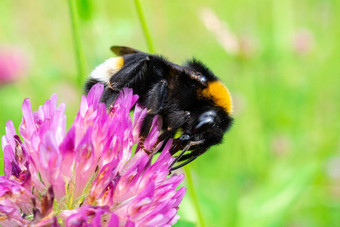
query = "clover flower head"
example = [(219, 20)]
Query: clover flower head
[(88, 175)]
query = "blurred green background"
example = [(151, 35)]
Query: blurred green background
[(280, 163)]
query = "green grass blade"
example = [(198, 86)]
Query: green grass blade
[(145, 29), (80, 58)]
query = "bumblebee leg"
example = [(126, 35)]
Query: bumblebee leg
[(187, 159), (183, 164), (109, 97), (194, 153), (89, 84), (156, 97), (175, 121), (181, 155), (154, 103), (186, 148), (179, 143)]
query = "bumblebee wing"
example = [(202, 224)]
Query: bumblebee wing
[(193, 75), (176, 69), (123, 50), (132, 72)]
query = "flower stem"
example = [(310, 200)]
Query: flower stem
[(80, 58), (145, 29), (192, 192)]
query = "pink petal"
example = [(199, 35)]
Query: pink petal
[(27, 126)]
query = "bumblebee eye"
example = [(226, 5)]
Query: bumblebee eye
[(205, 121)]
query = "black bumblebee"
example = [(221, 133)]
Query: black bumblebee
[(189, 98)]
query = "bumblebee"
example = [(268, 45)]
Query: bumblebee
[(189, 98)]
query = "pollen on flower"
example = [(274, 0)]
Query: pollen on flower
[(86, 175)]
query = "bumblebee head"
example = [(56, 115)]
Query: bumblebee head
[(214, 90), (211, 124)]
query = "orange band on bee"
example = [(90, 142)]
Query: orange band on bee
[(220, 94)]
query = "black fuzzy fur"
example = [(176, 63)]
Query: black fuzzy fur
[(167, 89)]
